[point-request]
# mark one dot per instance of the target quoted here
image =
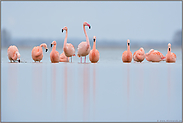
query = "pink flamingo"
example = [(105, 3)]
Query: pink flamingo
[(170, 57), (13, 53), (127, 55), (63, 57), (139, 55), (37, 52), (68, 48), (154, 56), (54, 55), (94, 53), (84, 47)]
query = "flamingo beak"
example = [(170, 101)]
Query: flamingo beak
[(19, 60), (128, 44), (51, 45), (169, 49), (93, 40), (89, 27), (46, 50), (62, 30)]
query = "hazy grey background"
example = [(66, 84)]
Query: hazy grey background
[(144, 23)]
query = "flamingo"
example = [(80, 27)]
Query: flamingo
[(54, 55), (170, 57), (139, 55), (127, 55), (68, 48), (154, 56), (37, 52), (63, 58), (94, 53), (13, 53), (84, 47)]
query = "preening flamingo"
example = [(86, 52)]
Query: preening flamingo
[(63, 57), (13, 53), (37, 52), (139, 55)]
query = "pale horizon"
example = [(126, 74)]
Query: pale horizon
[(110, 20)]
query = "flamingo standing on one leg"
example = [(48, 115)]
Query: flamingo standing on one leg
[(154, 56), (139, 55), (13, 53), (84, 47), (170, 57), (94, 53), (54, 55), (127, 55), (37, 52), (68, 48)]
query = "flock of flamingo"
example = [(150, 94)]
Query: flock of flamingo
[(84, 50)]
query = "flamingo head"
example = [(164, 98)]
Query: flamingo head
[(86, 24), (128, 42), (142, 49), (53, 43), (94, 38), (169, 47), (65, 28), (18, 56)]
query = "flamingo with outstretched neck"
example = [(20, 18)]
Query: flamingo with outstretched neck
[(68, 48), (13, 53), (37, 52), (84, 47), (170, 57), (54, 55), (139, 55), (154, 56), (94, 53), (127, 55)]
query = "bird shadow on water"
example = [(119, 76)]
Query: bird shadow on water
[(13, 81), (86, 97), (53, 82), (94, 90), (37, 81), (65, 91)]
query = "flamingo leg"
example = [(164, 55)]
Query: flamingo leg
[(85, 59), (81, 59), (67, 59), (71, 58)]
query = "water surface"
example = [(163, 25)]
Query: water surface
[(107, 91)]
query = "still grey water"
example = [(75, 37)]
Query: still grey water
[(107, 91)]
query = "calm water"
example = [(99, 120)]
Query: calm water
[(107, 91)]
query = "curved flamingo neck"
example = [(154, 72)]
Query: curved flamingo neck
[(65, 40), (87, 39), (42, 45), (54, 47)]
